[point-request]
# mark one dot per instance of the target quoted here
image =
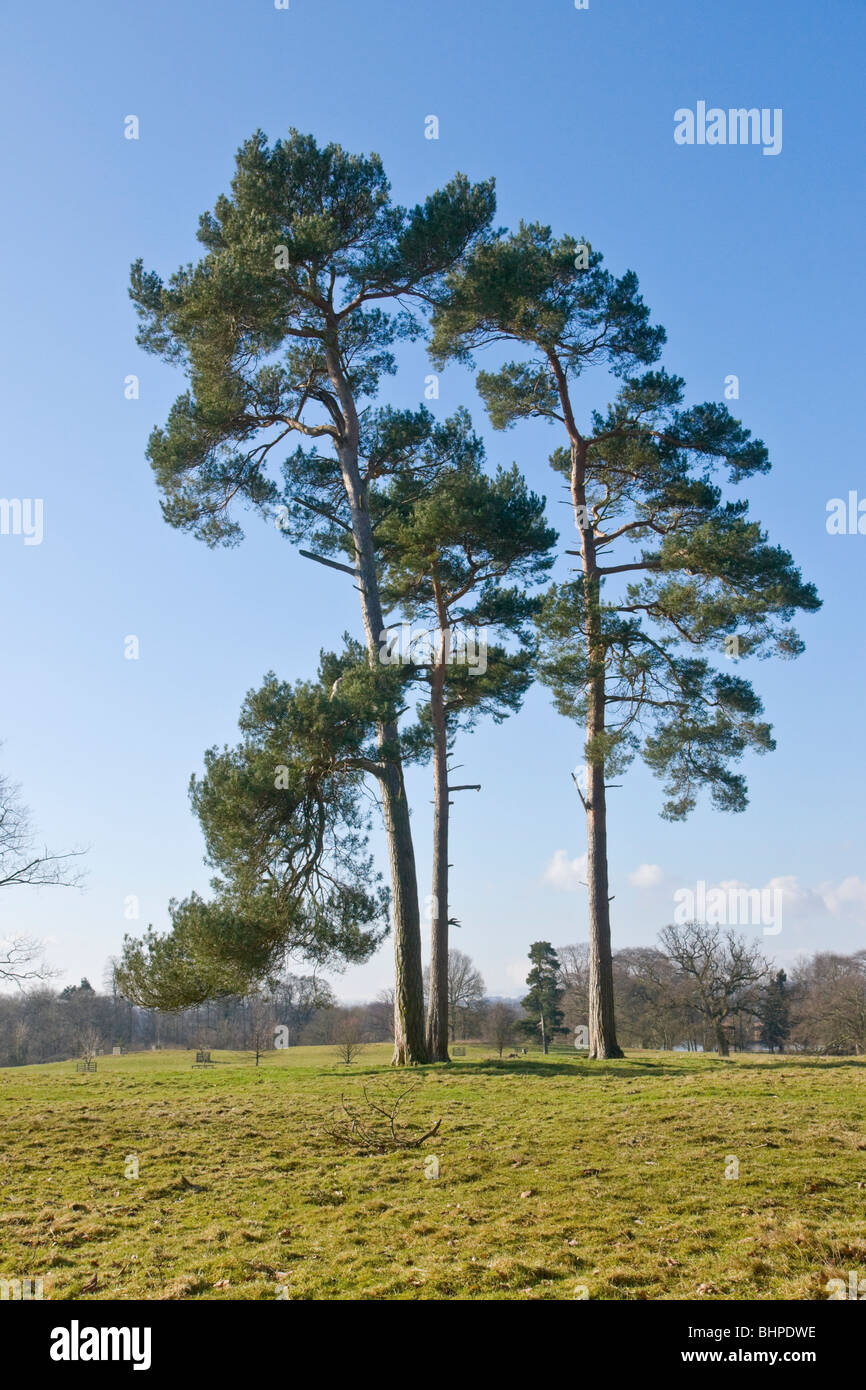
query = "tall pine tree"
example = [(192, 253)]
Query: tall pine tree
[(631, 659), (285, 327), (457, 562)]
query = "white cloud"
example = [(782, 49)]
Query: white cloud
[(646, 876), (848, 899), (845, 901), (798, 901), (566, 874)]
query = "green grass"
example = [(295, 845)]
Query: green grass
[(554, 1174)]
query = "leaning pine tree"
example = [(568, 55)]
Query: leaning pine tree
[(283, 329), (283, 820), (631, 660)]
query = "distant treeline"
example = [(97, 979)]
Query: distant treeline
[(44, 1025), (708, 991)]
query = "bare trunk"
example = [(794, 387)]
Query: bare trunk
[(409, 1042), (602, 1028), (410, 1045), (437, 1008)]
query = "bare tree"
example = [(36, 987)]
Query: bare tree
[(655, 1000), (348, 1037), (381, 1013), (829, 1004), (21, 960), (22, 863), (21, 1038), (500, 1023), (89, 1043), (296, 1000), (724, 968), (465, 987), (262, 1026), (20, 860), (574, 980)]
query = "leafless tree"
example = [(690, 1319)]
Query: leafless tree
[(724, 968), (296, 1000), (21, 961), (21, 1037), (655, 1000), (348, 1037), (262, 1026), (574, 980), (500, 1023), (21, 862), (828, 995), (381, 1013), (465, 987), (89, 1043)]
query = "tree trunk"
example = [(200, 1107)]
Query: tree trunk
[(410, 1046), (602, 1028), (437, 1009), (722, 1046)]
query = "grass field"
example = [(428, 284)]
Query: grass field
[(556, 1175)]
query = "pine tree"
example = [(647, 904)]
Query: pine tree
[(285, 327), (775, 1013), (285, 828), (632, 664), (447, 555), (541, 1004)]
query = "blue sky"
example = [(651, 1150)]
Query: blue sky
[(752, 263)]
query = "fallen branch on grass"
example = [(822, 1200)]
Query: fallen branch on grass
[(369, 1135)]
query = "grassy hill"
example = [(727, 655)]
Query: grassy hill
[(556, 1176)]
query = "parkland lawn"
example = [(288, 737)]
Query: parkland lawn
[(555, 1175)]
